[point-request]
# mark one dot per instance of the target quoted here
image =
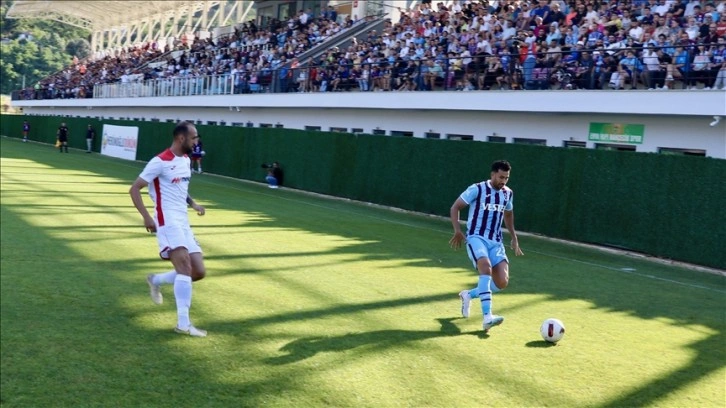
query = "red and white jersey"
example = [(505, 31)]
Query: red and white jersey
[(168, 176)]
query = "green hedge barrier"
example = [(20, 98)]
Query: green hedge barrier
[(668, 206)]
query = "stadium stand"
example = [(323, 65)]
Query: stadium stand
[(457, 45)]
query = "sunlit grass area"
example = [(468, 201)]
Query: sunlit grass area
[(311, 301)]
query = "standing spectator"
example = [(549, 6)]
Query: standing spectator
[(26, 130), (364, 77), (197, 154), (90, 135), (62, 136), (718, 71)]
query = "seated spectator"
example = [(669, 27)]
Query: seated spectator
[(460, 40), (275, 175)]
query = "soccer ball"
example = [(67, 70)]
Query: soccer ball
[(552, 330), (203, 153)]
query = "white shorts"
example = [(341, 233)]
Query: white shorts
[(171, 237)]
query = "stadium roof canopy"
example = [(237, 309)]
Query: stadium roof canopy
[(93, 15), (110, 21)]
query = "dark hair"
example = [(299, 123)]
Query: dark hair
[(182, 128), (501, 165)]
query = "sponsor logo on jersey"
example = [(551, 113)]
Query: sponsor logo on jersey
[(177, 180), (493, 207)]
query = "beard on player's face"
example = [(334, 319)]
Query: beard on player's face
[(188, 145)]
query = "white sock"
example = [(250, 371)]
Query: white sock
[(166, 278), (183, 295)]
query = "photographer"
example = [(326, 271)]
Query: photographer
[(275, 176)]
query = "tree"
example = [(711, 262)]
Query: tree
[(49, 51), (79, 47)]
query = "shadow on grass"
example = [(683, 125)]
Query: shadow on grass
[(540, 344), (304, 348), (408, 242)]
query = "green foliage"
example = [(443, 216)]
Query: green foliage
[(79, 47), (48, 51)]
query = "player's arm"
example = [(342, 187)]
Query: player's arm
[(135, 193), (193, 204), (458, 237), (509, 222)]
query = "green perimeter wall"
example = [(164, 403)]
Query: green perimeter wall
[(669, 206)]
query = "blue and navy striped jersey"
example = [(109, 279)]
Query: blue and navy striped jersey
[(486, 209)]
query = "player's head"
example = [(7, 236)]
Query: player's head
[(63, 124), (185, 133), (500, 173)]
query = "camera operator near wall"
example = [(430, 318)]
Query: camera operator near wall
[(275, 175)]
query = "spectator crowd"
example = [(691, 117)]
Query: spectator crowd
[(477, 45), (251, 50), (456, 45)]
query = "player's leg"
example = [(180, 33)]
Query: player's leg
[(65, 146), (483, 288), (183, 289), (467, 295), (155, 280), (88, 145), (180, 240), (479, 254), (199, 165), (500, 274), (198, 269), (489, 277), (500, 270)]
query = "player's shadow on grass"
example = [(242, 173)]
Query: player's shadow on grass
[(305, 348)]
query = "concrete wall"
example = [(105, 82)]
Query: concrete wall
[(673, 119), (684, 132)]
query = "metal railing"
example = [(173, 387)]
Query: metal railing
[(163, 87)]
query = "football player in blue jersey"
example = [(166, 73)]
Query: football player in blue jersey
[(489, 203)]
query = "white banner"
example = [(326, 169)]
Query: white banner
[(120, 141)]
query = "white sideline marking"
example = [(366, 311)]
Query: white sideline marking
[(629, 271)]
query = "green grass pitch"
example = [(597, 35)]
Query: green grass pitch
[(314, 302)]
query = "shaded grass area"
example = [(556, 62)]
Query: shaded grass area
[(313, 302)]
